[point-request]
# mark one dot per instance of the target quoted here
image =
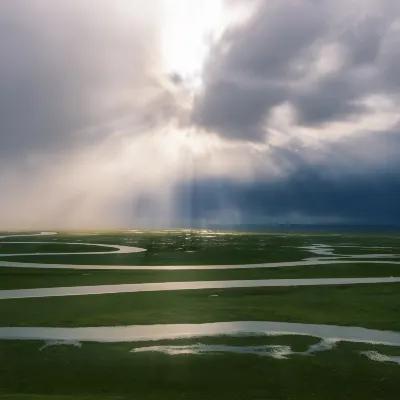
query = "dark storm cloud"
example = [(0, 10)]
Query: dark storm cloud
[(346, 186), (272, 59), (306, 195), (332, 99), (248, 70), (236, 109)]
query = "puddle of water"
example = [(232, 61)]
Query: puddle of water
[(328, 333), (364, 247), (167, 286), (371, 256), (319, 249), (198, 349), (375, 356), (275, 351), (51, 343)]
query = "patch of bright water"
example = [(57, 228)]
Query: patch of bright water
[(319, 249), (169, 286), (375, 356), (275, 351), (308, 262), (51, 343), (327, 333)]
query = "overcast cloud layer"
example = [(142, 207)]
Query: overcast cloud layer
[(297, 117)]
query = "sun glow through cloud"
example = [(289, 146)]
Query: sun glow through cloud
[(135, 158), (189, 27), (112, 111)]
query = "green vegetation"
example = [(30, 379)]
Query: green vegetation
[(371, 306), (181, 249), (14, 248), (24, 278), (194, 247), (51, 397), (110, 371)]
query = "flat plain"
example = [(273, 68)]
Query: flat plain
[(234, 364)]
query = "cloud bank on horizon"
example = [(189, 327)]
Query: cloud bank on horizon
[(168, 112)]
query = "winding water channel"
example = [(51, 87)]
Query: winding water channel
[(329, 334)]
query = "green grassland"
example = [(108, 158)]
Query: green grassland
[(24, 278), (13, 248), (106, 371), (194, 248), (110, 371), (180, 249), (371, 306)]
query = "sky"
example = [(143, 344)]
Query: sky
[(158, 113)]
